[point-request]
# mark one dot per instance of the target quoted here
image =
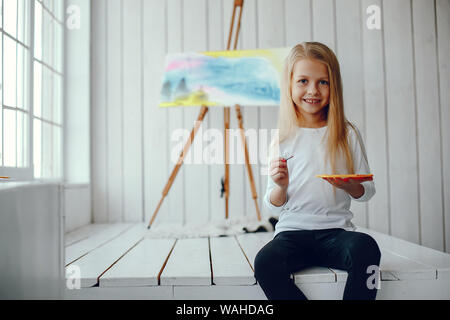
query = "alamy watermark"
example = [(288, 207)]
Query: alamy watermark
[(73, 277), (208, 146), (373, 21), (373, 281), (73, 21)]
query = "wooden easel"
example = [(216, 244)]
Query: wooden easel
[(203, 111)]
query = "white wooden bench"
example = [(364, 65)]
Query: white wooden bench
[(117, 261)]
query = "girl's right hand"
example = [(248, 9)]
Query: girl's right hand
[(279, 172)]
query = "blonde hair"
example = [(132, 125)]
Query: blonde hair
[(289, 116)]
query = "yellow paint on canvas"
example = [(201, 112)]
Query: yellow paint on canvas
[(195, 98), (275, 56)]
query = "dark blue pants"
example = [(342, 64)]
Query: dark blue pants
[(292, 251)]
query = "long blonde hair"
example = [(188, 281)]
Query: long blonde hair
[(337, 130)]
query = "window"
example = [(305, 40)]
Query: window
[(48, 77), (31, 88)]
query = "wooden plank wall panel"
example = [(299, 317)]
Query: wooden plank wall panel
[(196, 188), (270, 35), (132, 113), (375, 120), (443, 48), (428, 123), (323, 22), (98, 113), (298, 30), (176, 196), (349, 54), (385, 72), (216, 42), (235, 148), (401, 115), (155, 146), (114, 106), (249, 40)]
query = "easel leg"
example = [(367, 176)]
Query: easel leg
[(247, 161), (240, 4), (237, 3), (169, 183), (226, 117), (226, 113)]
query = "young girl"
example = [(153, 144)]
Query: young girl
[(314, 227)]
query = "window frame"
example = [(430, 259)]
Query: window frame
[(28, 173)]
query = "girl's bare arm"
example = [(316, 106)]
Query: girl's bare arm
[(278, 196)]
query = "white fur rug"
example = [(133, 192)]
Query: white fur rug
[(224, 227)]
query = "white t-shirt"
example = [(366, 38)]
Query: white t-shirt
[(310, 201)]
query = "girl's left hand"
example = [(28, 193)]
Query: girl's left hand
[(347, 184)]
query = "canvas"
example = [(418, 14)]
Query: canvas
[(223, 78)]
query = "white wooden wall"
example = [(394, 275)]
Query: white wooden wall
[(396, 89)]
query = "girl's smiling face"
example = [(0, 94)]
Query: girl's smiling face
[(310, 89)]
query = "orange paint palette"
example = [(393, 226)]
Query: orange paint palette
[(347, 176)]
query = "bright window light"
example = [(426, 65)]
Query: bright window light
[(31, 87)]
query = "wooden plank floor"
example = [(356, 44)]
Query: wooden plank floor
[(230, 265), (119, 255), (438, 259), (100, 259), (90, 237), (188, 264), (140, 266)]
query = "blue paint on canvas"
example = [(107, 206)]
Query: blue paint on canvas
[(220, 81)]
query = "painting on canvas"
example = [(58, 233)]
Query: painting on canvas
[(223, 78)]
